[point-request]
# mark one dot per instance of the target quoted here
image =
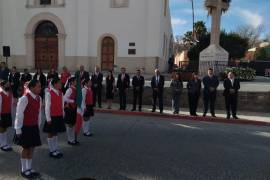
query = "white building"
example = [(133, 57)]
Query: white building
[(108, 33)]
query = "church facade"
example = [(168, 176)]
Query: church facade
[(107, 33)]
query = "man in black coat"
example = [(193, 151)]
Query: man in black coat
[(138, 85), (211, 84), (4, 71), (157, 84), (83, 74), (123, 83), (97, 79), (26, 76), (232, 86), (14, 80)]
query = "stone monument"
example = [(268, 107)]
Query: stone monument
[(214, 56)]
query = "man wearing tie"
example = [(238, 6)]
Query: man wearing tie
[(123, 83), (97, 79), (232, 86), (210, 83), (138, 84), (14, 80), (157, 84), (83, 74)]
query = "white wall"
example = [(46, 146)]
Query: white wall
[(85, 21), (1, 28)]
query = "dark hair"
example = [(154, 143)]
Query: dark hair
[(85, 81), (72, 79), (3, 82), (33, 83), (210, 69), (14, 67), (55, 81)]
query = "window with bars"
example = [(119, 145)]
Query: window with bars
[(44, 3)]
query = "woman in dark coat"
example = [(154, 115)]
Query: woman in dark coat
[(194, 92), (42, 79), (110, 87), (52, 75), (177, 88)]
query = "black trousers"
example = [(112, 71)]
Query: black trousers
[(231, 104), (137, 95), (159, 95), (209, 99), (193, 100), (97, 96), (122, 99)]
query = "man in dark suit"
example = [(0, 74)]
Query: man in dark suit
[(97, 79), (157, 84), (83, 74), (232, 86), (14, 80), (123, 83), (211, 84), (138, 85), (26, 77)]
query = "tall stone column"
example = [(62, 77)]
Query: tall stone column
[(214, 56)]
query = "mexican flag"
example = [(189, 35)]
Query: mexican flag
[(79, 118)]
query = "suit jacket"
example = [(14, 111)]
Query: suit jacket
[(25, 78), (228, 86), (122, 85), (97, 80), (210, 82), (14, 78), (42, 80), (160, 85), (52, 76), (138, 83), (84, 75)]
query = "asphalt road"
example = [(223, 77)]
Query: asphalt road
[(138, 148)]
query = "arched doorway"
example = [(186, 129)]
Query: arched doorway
[(46, 45), (107, 53)]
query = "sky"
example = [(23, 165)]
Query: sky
[(242, 12)]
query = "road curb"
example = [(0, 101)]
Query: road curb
[(185, 117)]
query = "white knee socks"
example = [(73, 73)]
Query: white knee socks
[(70, 134), (86, 126)]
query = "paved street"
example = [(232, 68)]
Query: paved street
[(138, 148)]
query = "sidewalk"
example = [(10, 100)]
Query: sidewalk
[(249, 118)]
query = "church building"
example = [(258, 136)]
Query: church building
[(107, 33)]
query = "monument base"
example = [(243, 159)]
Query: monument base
[(213, 57)]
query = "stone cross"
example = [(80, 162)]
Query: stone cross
[(217, 7), (214, 56)]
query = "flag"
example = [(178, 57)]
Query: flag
[(79, 117)]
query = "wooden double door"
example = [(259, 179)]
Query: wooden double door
[(107, 53), (46, 52)]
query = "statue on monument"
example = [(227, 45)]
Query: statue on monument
[(214, 55)]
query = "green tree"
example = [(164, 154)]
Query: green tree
[(260, 54)]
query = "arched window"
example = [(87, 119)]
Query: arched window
[(46, 28)]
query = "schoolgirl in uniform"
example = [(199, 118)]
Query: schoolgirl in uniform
[(5, 111), (87, 106), (54, 112), (28, 118), (71, 111)]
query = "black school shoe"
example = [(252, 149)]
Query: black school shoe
[(6, 148), (72, 143), (55, 155), (27, 174), (34, 173), (88, 134)]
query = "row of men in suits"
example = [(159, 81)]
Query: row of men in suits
[(231, 88)]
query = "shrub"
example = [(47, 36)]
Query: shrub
[(244, 74)]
